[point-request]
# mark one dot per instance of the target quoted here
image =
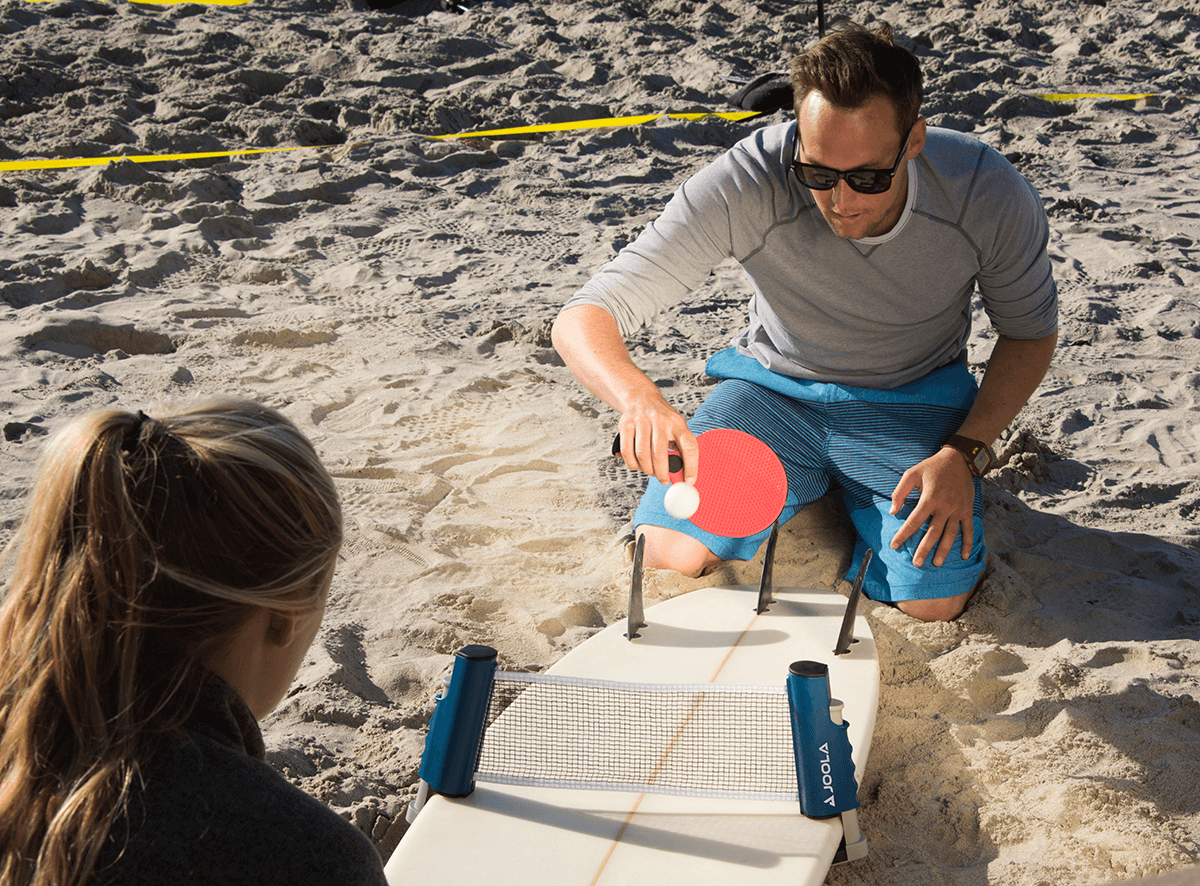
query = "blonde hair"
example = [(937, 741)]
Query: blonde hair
[(145, 544)]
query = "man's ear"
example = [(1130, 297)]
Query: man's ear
[(916, 140), (281, 629)]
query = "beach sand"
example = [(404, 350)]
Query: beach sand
[(393, 293)]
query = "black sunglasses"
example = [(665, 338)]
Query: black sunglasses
[(865, 181)]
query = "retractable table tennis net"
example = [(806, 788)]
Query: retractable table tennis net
[(706, 740), (783, 742)]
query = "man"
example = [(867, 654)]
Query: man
[(863, 234)]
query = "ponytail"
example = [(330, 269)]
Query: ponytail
[(146, 543)]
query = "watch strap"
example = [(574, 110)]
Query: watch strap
[(979, 455)]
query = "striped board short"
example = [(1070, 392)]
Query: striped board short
[(855, 439)]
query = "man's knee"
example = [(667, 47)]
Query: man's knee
[(669, 549), (939, 609)]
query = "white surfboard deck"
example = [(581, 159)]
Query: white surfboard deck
[(526, 836)]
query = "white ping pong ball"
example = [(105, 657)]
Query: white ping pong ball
[(682, 500)]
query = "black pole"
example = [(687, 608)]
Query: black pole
[(821, 18)]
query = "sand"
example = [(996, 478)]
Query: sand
[(392, 294)]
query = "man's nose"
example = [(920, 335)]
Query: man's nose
[(843, 194)]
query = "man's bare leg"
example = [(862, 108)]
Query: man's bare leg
[(668, 549), (940, 609)]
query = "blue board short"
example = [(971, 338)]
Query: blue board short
[(857, 439)]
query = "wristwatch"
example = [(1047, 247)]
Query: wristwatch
[(978, 455)]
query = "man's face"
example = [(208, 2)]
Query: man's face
[(862, 138)]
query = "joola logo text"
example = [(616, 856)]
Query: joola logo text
[(827, 775)]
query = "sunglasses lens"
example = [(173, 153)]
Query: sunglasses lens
[(818, 178), (868, 182), (815, 177)]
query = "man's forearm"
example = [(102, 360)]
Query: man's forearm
[(1014, 371), (587, 339)]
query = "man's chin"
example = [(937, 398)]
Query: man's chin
[(847, 228)]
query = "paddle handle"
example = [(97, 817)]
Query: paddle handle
[(674, 459)]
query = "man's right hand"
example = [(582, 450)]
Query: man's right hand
[(648, 430), (587, 339)]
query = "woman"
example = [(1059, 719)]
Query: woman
[(170, 574)]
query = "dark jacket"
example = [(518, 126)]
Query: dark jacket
[(211, 811)]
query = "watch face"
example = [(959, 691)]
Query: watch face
[(978, 456)]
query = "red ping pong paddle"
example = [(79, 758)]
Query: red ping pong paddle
[(741, 482)]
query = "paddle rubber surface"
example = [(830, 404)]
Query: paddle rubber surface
[(741, 482)]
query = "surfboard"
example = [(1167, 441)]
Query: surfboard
[(513, 834)]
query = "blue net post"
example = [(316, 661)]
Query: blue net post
[(821, 744), (456, 728)]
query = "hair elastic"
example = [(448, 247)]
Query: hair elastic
[(134, 436)]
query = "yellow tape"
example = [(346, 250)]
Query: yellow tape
[(1075, 96), (204, 2), (13, 165), (601, 123), (9, 165)]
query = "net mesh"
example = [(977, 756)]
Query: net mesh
[(709, 740)]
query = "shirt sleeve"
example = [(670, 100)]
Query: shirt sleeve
[(1015, 278), (696, 231)]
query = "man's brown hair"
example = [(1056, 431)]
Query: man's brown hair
[(853, 64)]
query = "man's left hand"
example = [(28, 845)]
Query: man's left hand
[(947, 503)]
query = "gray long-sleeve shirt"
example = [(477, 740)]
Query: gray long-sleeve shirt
[(874, 313)]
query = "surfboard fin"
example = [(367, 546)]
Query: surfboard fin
[(766, 587), (846, 635), (637, 615)]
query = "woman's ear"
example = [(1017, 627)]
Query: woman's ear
[(281, 629)]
